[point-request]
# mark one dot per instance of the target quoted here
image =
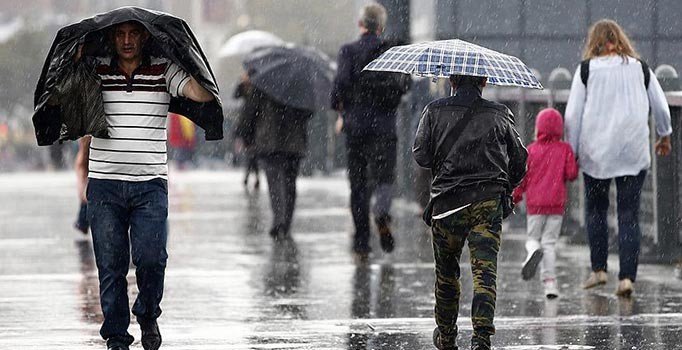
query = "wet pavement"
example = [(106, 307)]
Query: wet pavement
[(229, 286)]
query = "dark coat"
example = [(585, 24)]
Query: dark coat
[(366, 112), (274, 128), (486, 161), (245, 127), (171, 37)]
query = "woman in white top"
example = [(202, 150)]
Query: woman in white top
[(607, 124)]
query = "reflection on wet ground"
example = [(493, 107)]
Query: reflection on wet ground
[(229, 286)]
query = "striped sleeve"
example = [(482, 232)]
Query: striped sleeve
[(176, 78)]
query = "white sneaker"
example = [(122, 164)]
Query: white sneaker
[(530, 265), (551, 288)]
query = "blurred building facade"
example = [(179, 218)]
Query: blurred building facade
[(551, 33)]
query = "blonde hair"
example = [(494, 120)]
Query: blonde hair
[(608, 31), (373, 17)]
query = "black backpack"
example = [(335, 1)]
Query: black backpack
[(585, 72), (382, 89)]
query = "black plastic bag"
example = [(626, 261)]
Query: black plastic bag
[(79, 97)]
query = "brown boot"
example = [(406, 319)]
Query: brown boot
[(597, 278), (625, 288)]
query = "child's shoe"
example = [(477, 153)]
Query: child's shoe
[(551, 288), (530, 265)]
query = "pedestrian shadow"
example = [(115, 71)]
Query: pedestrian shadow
[(282, 280), (254, 214), (375, 296)]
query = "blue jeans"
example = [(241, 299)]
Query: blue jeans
[(629, 190), (128, 217)]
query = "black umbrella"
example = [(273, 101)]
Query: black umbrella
[(299, 77), (61, 111)]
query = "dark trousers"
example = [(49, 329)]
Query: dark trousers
[(629, 190), (251, 166), (480, 225), (281, 171), (128, 217), (371, 170)]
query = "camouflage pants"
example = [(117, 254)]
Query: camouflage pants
[(480, 224)]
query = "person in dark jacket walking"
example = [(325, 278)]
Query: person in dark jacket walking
[(551, 164), (476, 158), (367, 105), (244, 132), (280, 139)]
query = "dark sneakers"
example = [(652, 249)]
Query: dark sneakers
[(480, 342), (385, 234), (116, 344), (278, 233), (443, 343), (151, 337)]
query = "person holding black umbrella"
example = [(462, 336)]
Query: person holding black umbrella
[(127, 189), (287, 84), (278, 135)]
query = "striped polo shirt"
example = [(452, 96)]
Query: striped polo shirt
[(136, 109)]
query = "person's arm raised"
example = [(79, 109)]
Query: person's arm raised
[(195, 92)]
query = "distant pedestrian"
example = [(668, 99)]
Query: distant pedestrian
[(367, 104), (244, 133), (607, 125), (82, 223), (280, 140), (550, 165), (476, 158)]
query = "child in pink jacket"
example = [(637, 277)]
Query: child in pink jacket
[(551, 164)]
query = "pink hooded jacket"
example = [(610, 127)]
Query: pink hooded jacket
[(550, 165)]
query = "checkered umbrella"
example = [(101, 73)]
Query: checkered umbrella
[(441, 59)]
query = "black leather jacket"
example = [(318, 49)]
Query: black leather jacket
[(487, 161), (170, 37)]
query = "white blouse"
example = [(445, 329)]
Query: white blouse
[(607, 123)]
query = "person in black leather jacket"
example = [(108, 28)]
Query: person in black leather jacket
[(472, 176)]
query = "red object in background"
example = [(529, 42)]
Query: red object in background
[(4, 130), (181, 132)]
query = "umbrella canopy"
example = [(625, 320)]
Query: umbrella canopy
[(441, 59), (246, 42), (295, 76)]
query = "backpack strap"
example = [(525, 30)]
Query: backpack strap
[(584, 71), (647, 74)]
